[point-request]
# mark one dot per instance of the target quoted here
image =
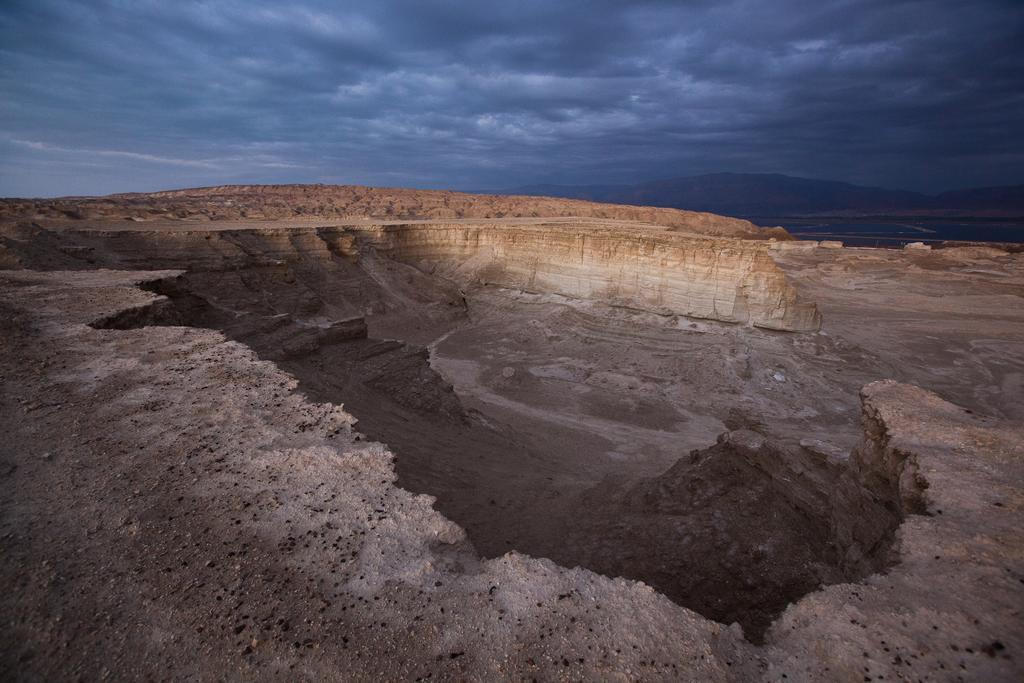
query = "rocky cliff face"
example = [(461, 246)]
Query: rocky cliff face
[(648, 269), (727, 280)]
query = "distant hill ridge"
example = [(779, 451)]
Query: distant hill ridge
[(275, 202), (771, 194)]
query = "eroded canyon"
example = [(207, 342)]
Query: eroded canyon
[(585, 401)]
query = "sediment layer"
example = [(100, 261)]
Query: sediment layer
[(727, 280), (327, 202)]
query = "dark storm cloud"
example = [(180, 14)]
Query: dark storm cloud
[(118, 95)]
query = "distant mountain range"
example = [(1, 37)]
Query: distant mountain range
[(769, 194)]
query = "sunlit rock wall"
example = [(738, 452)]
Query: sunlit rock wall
[(727, 280)]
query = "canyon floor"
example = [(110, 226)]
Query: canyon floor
[(301, 452)]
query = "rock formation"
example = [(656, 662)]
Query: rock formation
[(171, 494), (499, 448), (647, 269), (730, 281), (327, 202)]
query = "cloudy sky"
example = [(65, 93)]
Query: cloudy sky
[(101, 96)]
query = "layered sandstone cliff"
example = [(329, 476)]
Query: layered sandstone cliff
[(728, 280), (648, 269)]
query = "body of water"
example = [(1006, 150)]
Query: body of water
[(896, 232)]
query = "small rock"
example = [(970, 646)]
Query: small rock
[(508, 372), (778, 377)]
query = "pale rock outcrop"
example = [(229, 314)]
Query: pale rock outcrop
[(727, 280), (949, 610), (801, 245)]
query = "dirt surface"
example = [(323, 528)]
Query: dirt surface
[(173, 508), (950, 320), (259, 202), (167, 491)]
